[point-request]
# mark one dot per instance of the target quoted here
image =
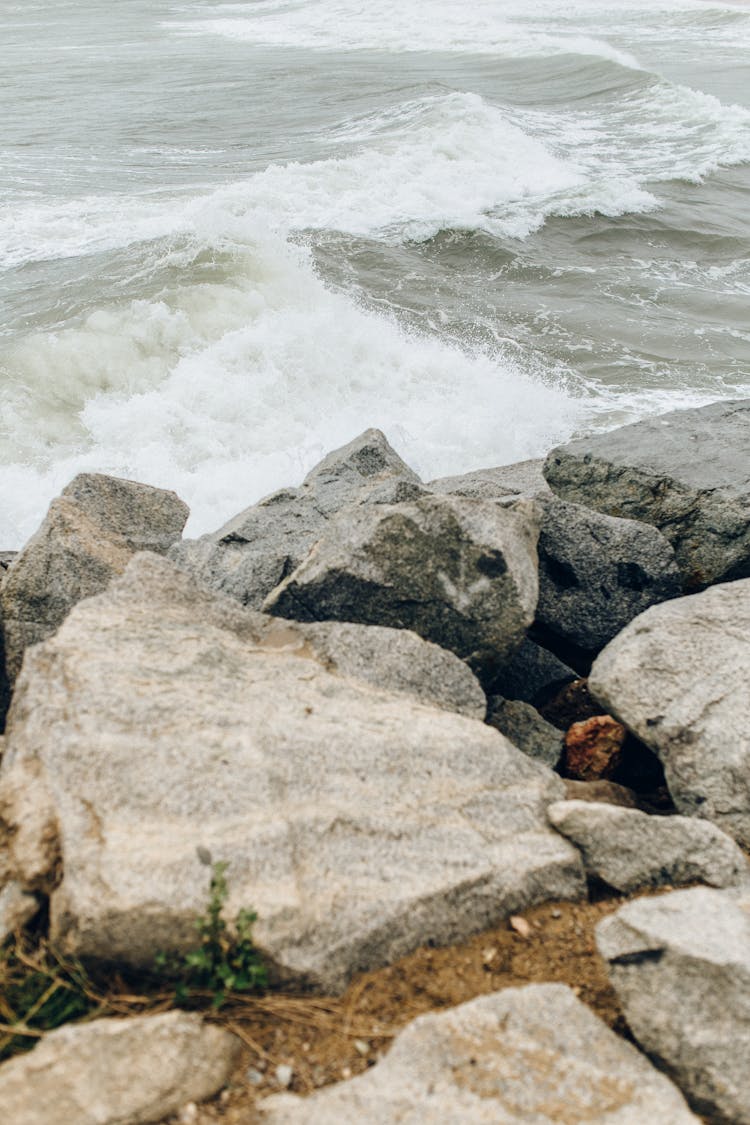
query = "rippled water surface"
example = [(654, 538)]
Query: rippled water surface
[(234, 235)]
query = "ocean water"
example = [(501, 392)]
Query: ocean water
[(234, 235)]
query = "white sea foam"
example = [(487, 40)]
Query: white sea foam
[(226, 392)]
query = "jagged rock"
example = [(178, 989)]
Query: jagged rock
[(525, 478), (608, 792), (254, 551), (533, 675), (117, 1071), (16, 909), (359, 824), (461, 573), (593, 748), (393, 659), (526, 729), (687, 472), (88, 535), (523, 1056), (596, 573), (628, 849), (678, 678), (680, 964)]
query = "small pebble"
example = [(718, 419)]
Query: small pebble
[(361, 1046), (253, 1076), (189, 1114), (346, 1072), (520, 925), (284, 1075), (557, 913)]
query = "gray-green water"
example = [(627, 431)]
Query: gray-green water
[(234, 235)]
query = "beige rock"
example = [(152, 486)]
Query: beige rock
[(357, 823), (678, 677), (523, 1056), (16, 909), (88, 535), (117, 1072)]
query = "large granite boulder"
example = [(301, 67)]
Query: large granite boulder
[(117, 1071), (677, 676), (628, 849), (152, 730), (596, 573), (680, 964), (523, 1056), (89, 534), (257, 549), (687, 472), (461, 573)]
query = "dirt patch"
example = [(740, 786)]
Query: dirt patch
[(326, 1040)]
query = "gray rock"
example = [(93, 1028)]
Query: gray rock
[(396, 660), (525, 478), (687, 472), (117, 1071), (608, 792), (629, 849), (533, 674), (678, 677), (16, 909), (88, 535), (596, 573), (526, 729), (680, 964), (461, 573), (523, 1056), (254, 551), (359, 824)]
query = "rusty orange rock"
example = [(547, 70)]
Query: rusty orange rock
[(593, 748)]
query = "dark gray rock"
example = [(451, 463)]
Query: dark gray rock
[(680, 964), (89, 534), (461, 573), (525, 478), (687, 472), (526, 729), (596, 572), (260, 547), (532, 674)]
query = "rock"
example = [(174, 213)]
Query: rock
[(532, 675), (254, 551), (461, 573), (117, 1071), (6, 558), (593, 748), (4, 684), (151, 730), (596, 573), (525, 478), (526, 729), (88, 535), (393, 659), (532, 1055), (16, 909), (628, 849), (677, 677), (680, 964), (687, 473), (607, 791)]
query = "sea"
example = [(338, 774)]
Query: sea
[(235, 235)]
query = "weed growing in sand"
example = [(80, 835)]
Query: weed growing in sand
[(225, 960)]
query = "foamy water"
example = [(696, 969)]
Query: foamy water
[(256, 229)]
